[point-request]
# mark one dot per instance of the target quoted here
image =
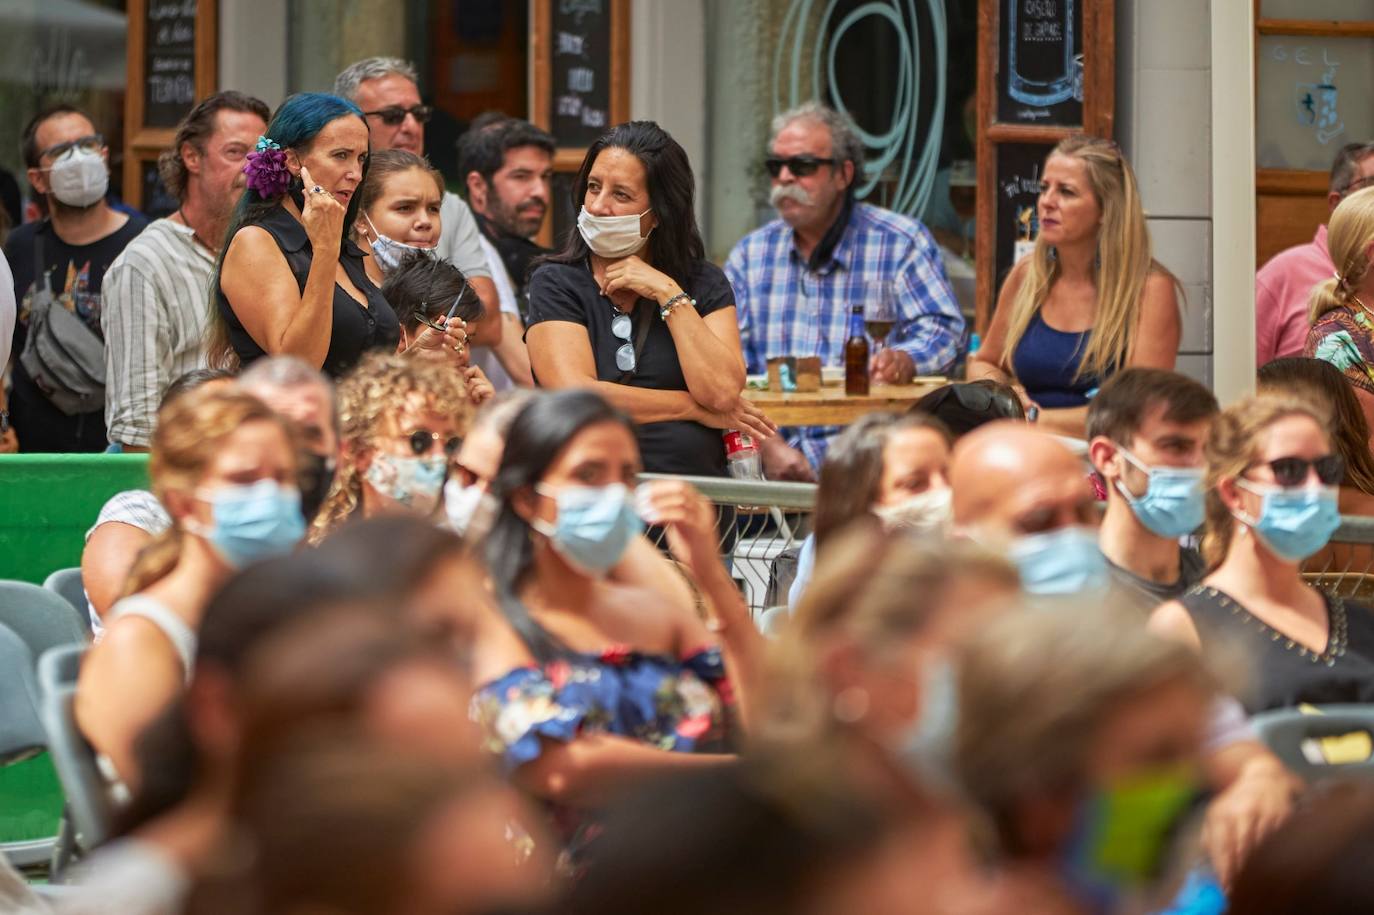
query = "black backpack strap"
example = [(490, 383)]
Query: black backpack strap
[(642, 318)]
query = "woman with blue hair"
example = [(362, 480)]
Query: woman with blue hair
[(272, 296)]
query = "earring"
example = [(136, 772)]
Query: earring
[(1053, 254), (850, 705)]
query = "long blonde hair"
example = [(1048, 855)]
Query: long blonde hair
[(378, 386), (1124, 261), (1232, 446), (191, 432), (1348, 237)]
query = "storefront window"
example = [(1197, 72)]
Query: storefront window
[(71, 51)]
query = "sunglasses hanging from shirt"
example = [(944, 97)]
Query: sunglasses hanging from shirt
[(623, 325)]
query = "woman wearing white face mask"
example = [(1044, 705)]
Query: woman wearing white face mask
[(889, 465), (632, 308), (587, 681), (224, 466), (400, 423)]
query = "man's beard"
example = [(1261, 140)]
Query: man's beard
[(510, 221)]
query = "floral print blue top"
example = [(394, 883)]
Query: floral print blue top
[(681, 706)]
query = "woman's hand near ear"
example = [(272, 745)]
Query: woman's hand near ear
[(322, 215)]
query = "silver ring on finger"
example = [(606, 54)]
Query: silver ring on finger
[(317, 190)]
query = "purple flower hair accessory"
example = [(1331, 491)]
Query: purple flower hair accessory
[(266, 169)]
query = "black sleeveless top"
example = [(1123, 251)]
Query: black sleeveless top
[(1284, 673), (356, 329)]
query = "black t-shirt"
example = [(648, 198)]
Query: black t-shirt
[(561, 292), (75, 273), (356, 329)]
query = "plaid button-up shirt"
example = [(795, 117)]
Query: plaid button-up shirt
[(786, 309)]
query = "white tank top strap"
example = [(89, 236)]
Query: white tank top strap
[(182, 636)]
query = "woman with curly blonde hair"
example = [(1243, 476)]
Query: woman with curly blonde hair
[(400, 422), (1090, 299)]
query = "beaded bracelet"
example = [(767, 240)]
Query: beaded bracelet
[(667, 307)]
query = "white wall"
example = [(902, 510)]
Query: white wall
[(253, 48), (1164, 125), (668, 75)]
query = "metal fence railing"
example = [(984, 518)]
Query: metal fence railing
[(1346, 566), (761, 525)]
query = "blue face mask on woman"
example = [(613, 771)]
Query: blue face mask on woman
[(1062, 561), (1293, 523), (594, 527), (1172, 505), (253, 521)]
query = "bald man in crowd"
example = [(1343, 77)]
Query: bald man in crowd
[(1023, 489)]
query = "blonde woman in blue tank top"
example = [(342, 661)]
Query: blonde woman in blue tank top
[(1090, 299)]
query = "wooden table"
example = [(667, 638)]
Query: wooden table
[(830, 407)]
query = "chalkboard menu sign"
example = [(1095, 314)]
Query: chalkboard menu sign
[(1017, 187), (169, 62), (1040, 72), (580, 97)]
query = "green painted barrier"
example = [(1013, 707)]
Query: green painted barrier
[(49, 501)]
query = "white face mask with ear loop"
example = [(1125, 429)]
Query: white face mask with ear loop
[(612, 236)]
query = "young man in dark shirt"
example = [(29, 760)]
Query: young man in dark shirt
[(1146, 432), (507, 167), (68, 163)]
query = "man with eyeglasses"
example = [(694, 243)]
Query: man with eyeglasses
[(796, 279), (387, 91), (63, 259), (1283, 285)]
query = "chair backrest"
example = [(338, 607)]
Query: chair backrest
[(67, 583), (40, 617), (21, 734), (1294, 736), (88, 797)]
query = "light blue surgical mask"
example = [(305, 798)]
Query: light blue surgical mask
[(1066, 560), (928, 745), (412, 482), (1293, 523), (389, 252), (594, 527), (1172, 505), (253, 521)]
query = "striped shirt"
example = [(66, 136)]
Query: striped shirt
[(787, 309), (156, 315)]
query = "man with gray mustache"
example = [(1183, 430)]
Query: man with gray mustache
[(797, 278)]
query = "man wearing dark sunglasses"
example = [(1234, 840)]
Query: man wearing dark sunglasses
[(1283, 285), (60, 262), (797, 278), (387, 90)]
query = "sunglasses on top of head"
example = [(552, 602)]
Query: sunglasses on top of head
[(393, 115), (800, 166), (1292, 471)]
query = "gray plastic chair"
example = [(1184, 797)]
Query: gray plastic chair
[(21, 734), (40, 617), (89, 808), (1285, 731), (67, 583)]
